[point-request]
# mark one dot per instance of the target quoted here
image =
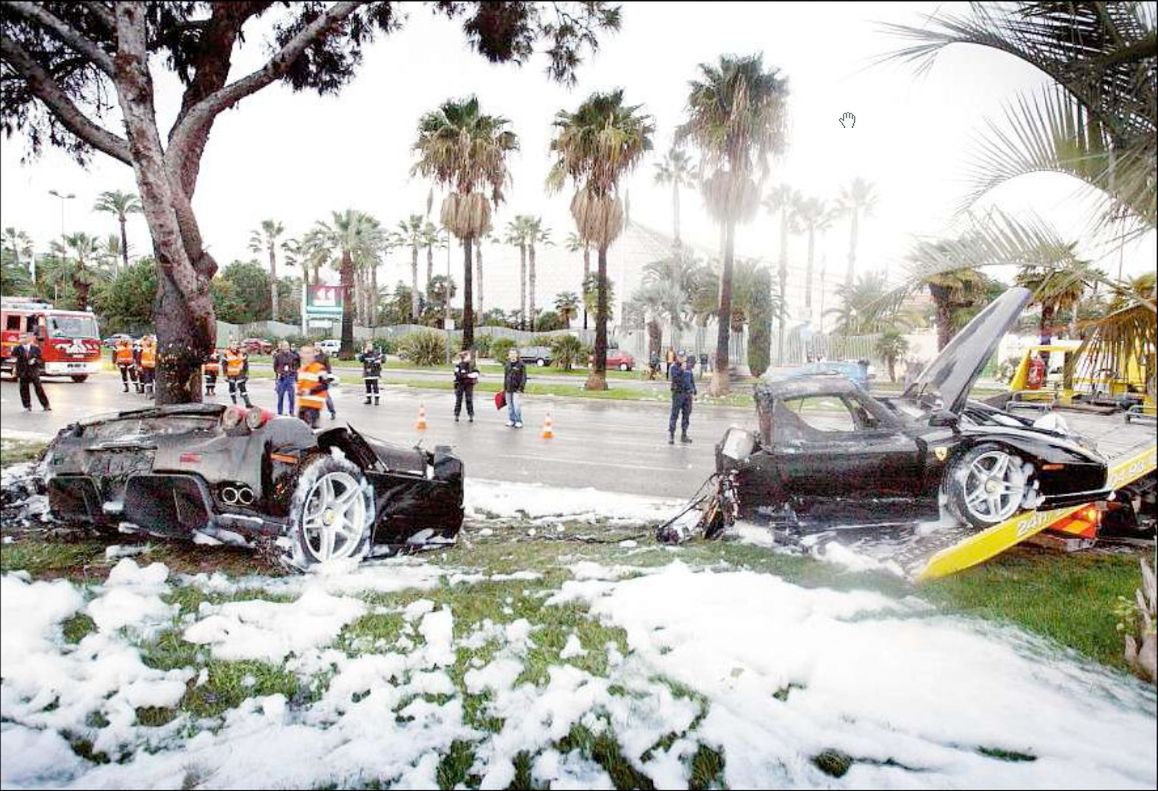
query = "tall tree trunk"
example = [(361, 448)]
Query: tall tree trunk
[(81, 288), (374, 294), (183, 307), (429, 266), (586, 274), (467, 297), (720, 383), (783, 280), (944, 314), (852, 234), (478, 258), (346, 351), (1046, 329), (272, 282), (675, 208), (124, 243), (808, 276), (531, 286), (597, 379), (317, 274), (654, 338), (414, 284), (522, 286)]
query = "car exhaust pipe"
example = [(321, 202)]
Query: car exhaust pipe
[(245, 495), (229, 495)]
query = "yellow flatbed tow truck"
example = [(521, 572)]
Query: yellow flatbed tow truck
[(1131, 449)]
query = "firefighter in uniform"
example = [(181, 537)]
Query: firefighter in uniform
[(123, 360), (312, 385), (137, 372), (211, 369), (149, 363), (371, 360), (237, 373)]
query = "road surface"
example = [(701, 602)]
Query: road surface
[(608, 445)]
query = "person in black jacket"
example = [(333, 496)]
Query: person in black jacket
[(683, 390), (514, 383), (371, 360), (29, 366), (286, 363), (465, 375)]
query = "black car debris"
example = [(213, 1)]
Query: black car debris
[(246, 476), (828, 453)]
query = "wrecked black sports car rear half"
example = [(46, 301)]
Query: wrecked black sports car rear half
[(828, 452), (239, 476)]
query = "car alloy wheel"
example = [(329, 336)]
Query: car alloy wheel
[(988, 485), (623, 366), (334, 520)]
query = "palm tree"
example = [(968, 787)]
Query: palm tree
[(18, 244), (353, 236), (1056, 288), (316, 252), (951, 291), (410, 233), (78, 264), (295, 255), (516, 236), (860, 310), (891, 346), (736, 117), (595, 146), (575, 244), (478, 266), (856, 199), (811, 216), (466, 150), (678, 170), (120, 204), (433, 238), (536, 234), (567, 306), (264, 238), (786, 201)]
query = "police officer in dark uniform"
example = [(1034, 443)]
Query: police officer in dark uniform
[(683, 391)]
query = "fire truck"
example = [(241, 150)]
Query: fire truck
[(68, 339)]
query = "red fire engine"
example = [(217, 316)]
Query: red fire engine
[(68, 339)]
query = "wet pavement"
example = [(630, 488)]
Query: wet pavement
[(606, 445)]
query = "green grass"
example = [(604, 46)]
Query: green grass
[(16, 451)]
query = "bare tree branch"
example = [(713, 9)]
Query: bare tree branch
[(66, 33), (204, 111), (103, 13), (46, 89)]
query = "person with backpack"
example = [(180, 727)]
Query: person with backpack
[(683, 391), (371, 360)]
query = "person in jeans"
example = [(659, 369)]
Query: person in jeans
[(465, 376), (285, 370), (514, 383), (683, 390), (371, 360)]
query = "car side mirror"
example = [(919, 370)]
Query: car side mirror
[(943, 418)]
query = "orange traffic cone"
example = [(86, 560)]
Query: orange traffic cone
[(548, 428), (421, 424)]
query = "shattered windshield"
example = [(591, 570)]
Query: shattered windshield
[(73, 326)]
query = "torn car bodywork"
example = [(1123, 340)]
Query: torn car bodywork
[(181, 470), (828, 453)]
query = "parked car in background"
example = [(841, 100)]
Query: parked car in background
[(112, 341), (617, 358), (257, 346), (329, 345), (536, 355)]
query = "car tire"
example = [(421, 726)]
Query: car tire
[(79, 377), (624, 367), (987, 485), (321, 490), (541, 362)]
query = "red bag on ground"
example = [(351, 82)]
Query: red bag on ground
[(500, 399)]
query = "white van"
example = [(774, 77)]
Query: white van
[(329, 345)]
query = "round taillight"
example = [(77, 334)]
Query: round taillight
[(256, 417), (232, 417)]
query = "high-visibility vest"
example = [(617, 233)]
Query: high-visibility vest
[(124, 353), (234, 363), (148, 356), (308, 378), (211, 367)]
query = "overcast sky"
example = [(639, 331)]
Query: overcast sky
[(298, 157)]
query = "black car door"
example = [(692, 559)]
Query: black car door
[(838, 447)]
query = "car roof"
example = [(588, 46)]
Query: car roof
[(814, 384)]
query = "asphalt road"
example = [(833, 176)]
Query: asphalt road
[(608, 445)]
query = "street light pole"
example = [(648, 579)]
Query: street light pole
[(63, 198)]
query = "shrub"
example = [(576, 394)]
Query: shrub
[(482, 345), (424, 347), (760, 323), (500, 347), (568, 352)]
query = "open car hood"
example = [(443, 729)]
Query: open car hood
[(954, 371)]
